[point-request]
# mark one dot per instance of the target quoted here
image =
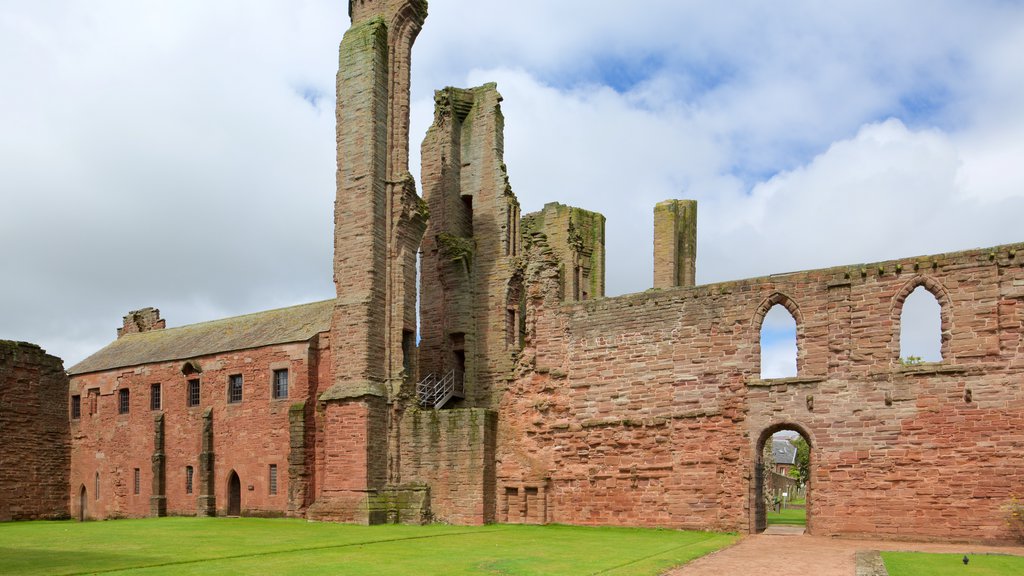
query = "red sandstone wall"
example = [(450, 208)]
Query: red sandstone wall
[(248, 436), (647, 409), (34, 448), (453, 452)]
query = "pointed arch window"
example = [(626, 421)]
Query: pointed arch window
[(778, 344), (920, 328)]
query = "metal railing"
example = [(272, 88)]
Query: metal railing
[(436, 392)]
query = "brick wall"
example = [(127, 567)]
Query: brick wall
[(248, 436), (34, 450), (648, 409), (452, 452)]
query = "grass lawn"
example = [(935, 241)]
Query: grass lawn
[(919, 564), (792, 516), (280, 547)]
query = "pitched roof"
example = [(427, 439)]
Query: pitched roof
[(284, 325), (784, 452)]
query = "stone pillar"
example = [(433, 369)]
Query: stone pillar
[(298, 474), (158, 500), (206, 505), (379, 221), (675, 243)]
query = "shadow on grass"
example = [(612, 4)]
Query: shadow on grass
[(28, 561)]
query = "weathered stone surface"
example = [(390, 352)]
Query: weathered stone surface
[(675, 243), (34, 437)]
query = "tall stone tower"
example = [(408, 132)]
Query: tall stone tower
[(379, 222)]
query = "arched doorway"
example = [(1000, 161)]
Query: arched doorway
[(781, 494), (234, 495), (83, 503)]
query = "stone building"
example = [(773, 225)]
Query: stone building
[(532, 397)]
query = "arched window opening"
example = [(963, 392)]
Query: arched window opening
[(920, 328), (778, 344)]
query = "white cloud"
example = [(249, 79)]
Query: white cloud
[(162, 153)]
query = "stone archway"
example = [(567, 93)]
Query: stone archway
[(758, 508), (83, 504), (234, 495)]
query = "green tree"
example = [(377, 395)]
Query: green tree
[(802, 471)]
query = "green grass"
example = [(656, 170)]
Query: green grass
[(281, 547), (920, 564), (791, 516)]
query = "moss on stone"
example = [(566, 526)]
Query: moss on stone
[(456, 248)]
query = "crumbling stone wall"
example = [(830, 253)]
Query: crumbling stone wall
[(648, 409), (471, 270), (576, 236), (34, 438)]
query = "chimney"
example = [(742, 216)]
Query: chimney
[(142, 321)]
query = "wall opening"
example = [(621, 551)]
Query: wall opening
[(778, 344), (83, 504), (234, 495), (920, 328), (783, 480)]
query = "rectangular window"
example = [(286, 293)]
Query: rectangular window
[(138, 480), (188, 479), (193, 392), (280, 388), (273, 478), (154, 396), (122, 401), (76, 407), (235, 388)]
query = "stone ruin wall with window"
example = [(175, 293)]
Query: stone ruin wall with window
[(648, 409), (34, 441)]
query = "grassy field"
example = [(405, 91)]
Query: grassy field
[(918, 564), (281, 547), (792, 516)]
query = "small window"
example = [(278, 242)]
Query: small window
[(122, 401), (920, 328), (188, 479), (137, 481), (273, 478), (193, 392), (235, 388), (96, 490), (280, 388), (154, 396), (76, 407)]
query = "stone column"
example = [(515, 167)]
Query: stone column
[(206, 505), (158, 500), (675, 243)]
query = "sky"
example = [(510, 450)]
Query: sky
[(180, 153)]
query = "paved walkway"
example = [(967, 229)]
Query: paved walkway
[(770, 555)]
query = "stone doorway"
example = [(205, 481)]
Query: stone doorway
[(83, 502), (234, 495), (772, 488)]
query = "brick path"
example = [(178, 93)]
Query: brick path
[(767, 555)]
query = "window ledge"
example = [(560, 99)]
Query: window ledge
[(794, 381), (929, 368)]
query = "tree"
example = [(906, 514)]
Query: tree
[(802, 470)]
